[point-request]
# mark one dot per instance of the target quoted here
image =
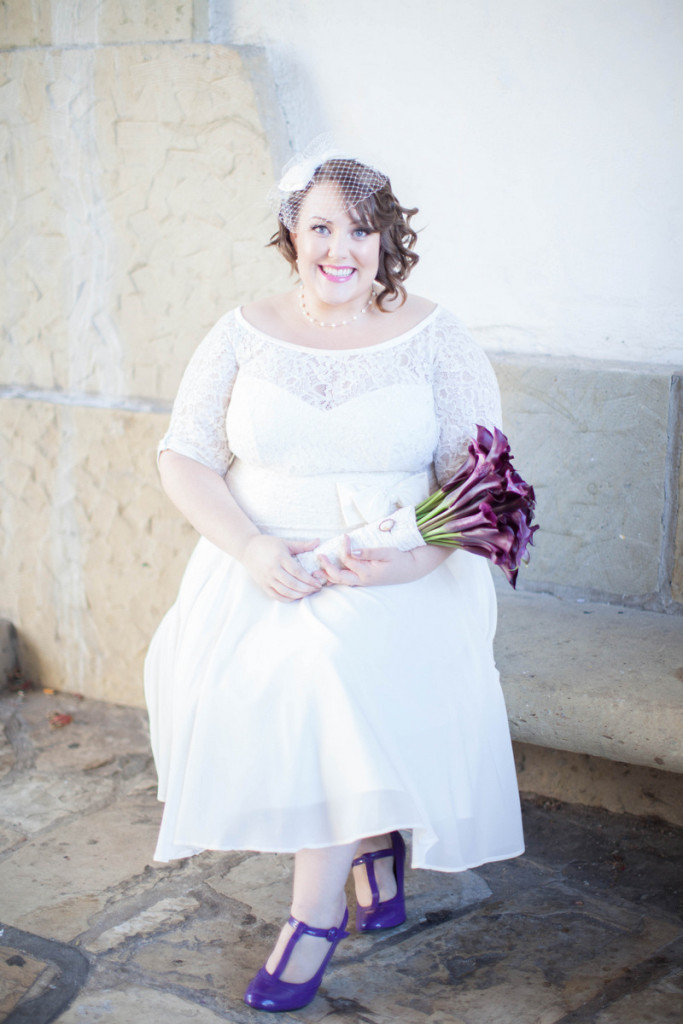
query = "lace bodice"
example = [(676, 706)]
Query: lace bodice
[(286, 413)]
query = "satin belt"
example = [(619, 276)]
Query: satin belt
[(366, 504), (322, 505)]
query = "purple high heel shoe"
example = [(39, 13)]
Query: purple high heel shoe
[(391, 912), (267, 992)]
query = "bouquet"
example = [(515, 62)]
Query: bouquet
[(486, 508)]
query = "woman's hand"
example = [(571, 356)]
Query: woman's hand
[(377, 567), (272, 564), (204, 498)]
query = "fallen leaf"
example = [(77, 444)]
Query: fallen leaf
[(58, 720)]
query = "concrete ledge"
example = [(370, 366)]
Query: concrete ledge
[(597, 782), (594, 679)]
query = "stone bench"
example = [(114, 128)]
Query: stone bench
[(593, 678)]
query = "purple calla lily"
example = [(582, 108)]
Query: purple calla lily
[(485, 508)]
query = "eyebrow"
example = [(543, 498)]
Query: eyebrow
[(318, 219)]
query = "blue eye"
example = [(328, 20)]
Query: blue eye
[(319, 228)]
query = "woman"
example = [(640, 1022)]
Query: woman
[(321, 713)]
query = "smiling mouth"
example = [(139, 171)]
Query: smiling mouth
[(337, 273)]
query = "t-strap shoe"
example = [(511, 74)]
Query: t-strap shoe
[(267, 992), (391, 912)]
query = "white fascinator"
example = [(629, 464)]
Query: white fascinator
[(323, 165)]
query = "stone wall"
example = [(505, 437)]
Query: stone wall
[(133, 170), (74, 22), (92, 550)]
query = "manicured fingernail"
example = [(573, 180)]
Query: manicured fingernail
[(356, 553)]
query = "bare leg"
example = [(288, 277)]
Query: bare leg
[(384, 871), (319, 900)]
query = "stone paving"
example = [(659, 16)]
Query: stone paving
[(585, 928)]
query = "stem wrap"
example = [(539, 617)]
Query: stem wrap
[(398, 530)]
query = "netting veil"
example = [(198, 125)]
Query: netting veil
[(343, 177)]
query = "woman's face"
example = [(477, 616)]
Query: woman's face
[(337, 255)]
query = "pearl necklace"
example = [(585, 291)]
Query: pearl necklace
[(340, 323)]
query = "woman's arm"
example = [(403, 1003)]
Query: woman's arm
[(194, 458), (203, 497)]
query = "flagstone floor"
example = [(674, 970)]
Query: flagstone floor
[(585, 928)]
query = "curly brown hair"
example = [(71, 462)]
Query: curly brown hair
[(381, 211)]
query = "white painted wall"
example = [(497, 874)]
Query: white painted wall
[(541, 139)]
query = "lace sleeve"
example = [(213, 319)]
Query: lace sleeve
[(197, 427), (465, 394)]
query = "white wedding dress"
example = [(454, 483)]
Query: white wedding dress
[(354, 711)]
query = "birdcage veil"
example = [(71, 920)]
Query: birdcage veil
[(321, 164)]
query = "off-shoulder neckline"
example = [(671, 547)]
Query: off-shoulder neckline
[(387, 343)]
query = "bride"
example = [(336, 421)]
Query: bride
[(322, 713)]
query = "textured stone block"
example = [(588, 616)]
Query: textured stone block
[(54, 773), (92, 549), (165, 913), (60, 22), (138, 1003), (132, 212), (593, 441), (677, 580), (25, 24), (95, 865)]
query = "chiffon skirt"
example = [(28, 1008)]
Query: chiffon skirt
[(349, 713)]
